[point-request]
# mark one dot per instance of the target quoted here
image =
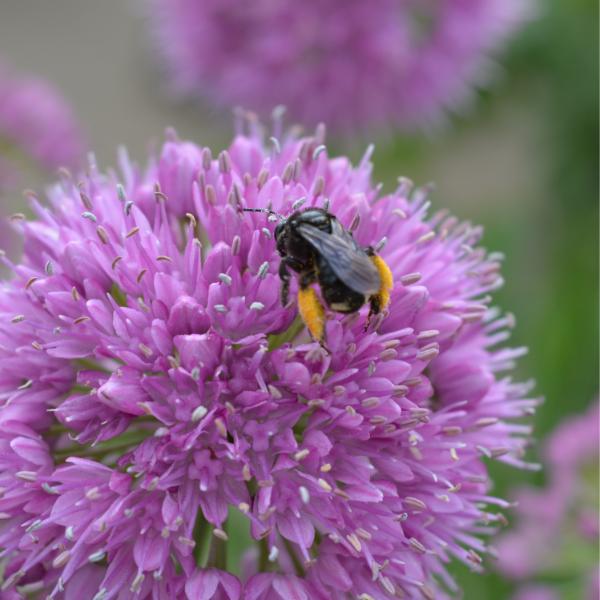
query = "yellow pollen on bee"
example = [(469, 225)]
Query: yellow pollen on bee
[(387, 280), (312, 312)]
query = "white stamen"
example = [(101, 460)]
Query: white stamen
[(304, 494), (136, 585), (222, 535), (198, 413), (235, 245), (97, 556), (318, 151), (49, 489), (263, 270), (276, 145), (354, 541), (296, 205), (324, 485), (121, 192), (301, 454), (61, 560), (380, 244)]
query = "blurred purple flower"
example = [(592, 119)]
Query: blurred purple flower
[(151, 383), (537, 592), (36, 125), (351, 64), (556, 524)]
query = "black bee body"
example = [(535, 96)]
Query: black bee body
[(315, 245), (313, 266), (338, 296)]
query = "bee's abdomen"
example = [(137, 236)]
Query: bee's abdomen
[(338, 296)]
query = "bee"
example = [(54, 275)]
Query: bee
[(313, 244)]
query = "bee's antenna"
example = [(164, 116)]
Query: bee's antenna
[(265, 210)]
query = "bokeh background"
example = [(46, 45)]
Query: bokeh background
[(523, 161)]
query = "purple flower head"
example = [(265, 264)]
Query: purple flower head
[(558, 530), (36, 126), (351, 64), (152, 385)]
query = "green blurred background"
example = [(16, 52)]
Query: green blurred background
[(523, 162)]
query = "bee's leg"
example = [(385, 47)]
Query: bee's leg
[(310, 308), (381, 299), (284, 275), (286, 263)]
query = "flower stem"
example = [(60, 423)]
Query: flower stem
[(276, 341), (203, 539), (263, 557), (298, 566), (218, 551), (122, 442)]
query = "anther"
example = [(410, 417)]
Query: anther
[(221, 534), (121, 192), (354, 541), (97, 556), (115, 262), (85, 200), (410, 278), (380, 244), (263, 269), (298, 203), (198, 413), (206, 158), (224, 162), (427, 237), (318, 150), (324, 485), (304, 494)]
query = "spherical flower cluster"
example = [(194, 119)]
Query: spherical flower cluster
[(350, 63), (152, 385), (558, 528), (37, 127)]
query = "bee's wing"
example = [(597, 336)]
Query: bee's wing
[(347, 260)]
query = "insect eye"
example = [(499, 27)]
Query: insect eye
[(279, 230)]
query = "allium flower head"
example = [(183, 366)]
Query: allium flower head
[(558, 529), (152, 385), (352, 64), (36, 126)]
